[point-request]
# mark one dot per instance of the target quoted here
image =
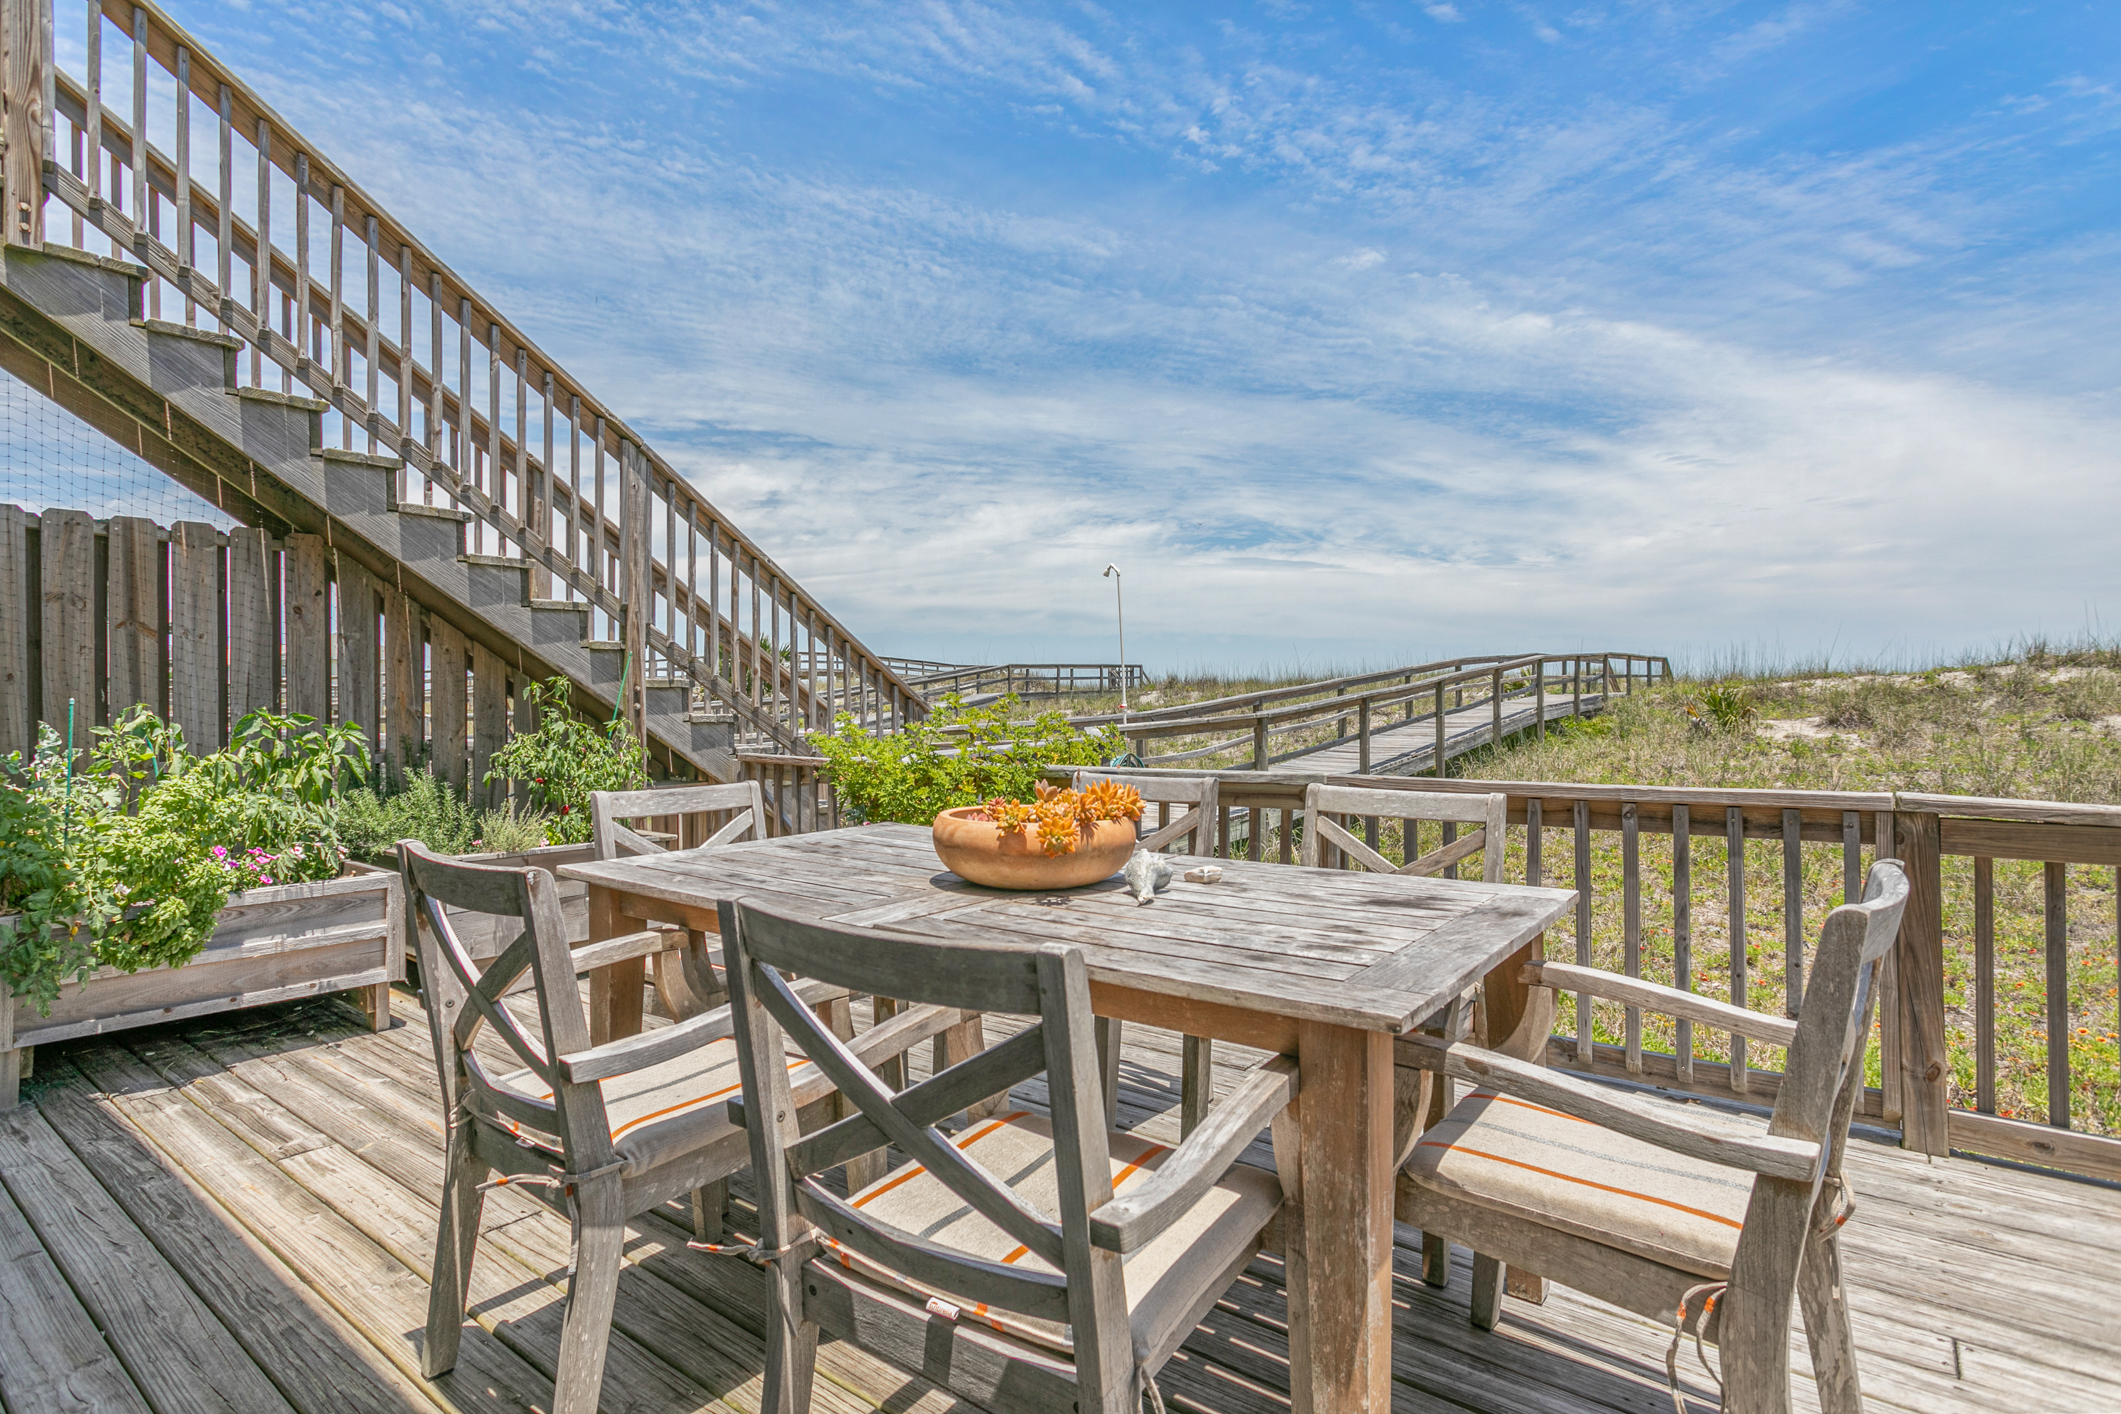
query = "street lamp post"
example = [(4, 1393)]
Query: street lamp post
[(1120, 604)]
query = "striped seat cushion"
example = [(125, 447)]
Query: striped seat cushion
[(1163, 1278), (1515, 1157), (669, 1110)]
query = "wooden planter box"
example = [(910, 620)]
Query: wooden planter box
[(269, 945), (484, 936)]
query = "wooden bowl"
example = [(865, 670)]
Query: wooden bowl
[(973, 849)]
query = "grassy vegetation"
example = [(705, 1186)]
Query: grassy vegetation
[(2041, 724)]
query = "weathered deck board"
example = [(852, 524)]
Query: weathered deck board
[(270, 1180)]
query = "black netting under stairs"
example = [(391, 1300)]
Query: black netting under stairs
[(50, 458)]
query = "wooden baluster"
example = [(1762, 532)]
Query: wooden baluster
[(600, 554), (94, 104), (1631, 927), (405, 362), (1539, 700), (1495, 711), (468, 475), (440, 446), (575, 528), (261, 264), (1985, 985), (337, 332), (756, 691), (2056, 916), (1576, 687), (1885, 845), (1793, 910), (526, 503), (299, 330), (1585, 1036), (496, 487), (714, 599), (1362, 750), (184, 236), (1734, 843), (224, 230), (548, 503), (1683, 933), (372, 384), (139, 136), (81, 175)]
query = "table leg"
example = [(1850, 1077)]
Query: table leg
[(614, 991), (1340, 1265)]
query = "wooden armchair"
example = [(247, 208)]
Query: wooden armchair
[(1197, 827), (1647, 1206), (597, 1133), (684, 975), (1028, 1264)]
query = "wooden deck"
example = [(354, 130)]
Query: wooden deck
[(238, 1214)]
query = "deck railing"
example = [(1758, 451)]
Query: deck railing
[(1727, 889), (1250, 725), (451, 394)]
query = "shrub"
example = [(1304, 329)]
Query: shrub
[(957, 755), (427, 809), (511, 831), (565, 758)]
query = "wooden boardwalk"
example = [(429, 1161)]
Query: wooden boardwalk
[(1410, 748), (238, 1214)]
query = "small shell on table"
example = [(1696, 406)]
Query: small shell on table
[(1146, 873)]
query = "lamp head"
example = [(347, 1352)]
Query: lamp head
[(1110, 571)]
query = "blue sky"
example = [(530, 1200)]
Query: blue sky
[(1354, 333)]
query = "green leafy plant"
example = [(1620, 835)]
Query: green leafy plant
[(128, 863), (53, 940), (565, 757), (511, 831), (1721, 706), (957, 755), (427, 809)]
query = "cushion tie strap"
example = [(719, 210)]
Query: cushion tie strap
[(757, 1254), (1148, 1383), (1712, 1290), (1840, 1211)]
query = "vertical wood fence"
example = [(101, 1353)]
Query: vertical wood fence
[(204, 626)]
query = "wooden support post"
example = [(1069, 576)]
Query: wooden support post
[(1793, 911), (1436, 760), (1363, 728), (26, 37), (308, 628), (1985, 985), (1683, 933), (1919, 964), (1734, 845), (1495, 712), (195, 654), (1539, 701)]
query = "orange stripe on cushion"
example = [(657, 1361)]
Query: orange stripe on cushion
[(916, 1170), (1571, 1178), (684, 1105)]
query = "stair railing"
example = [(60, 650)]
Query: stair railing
[(598, 517)]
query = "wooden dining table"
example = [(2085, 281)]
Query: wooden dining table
[(1324, 965)]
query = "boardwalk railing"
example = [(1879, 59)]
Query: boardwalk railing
[(1324, 715), (1025, 679), (411, 366), (1724, 891)]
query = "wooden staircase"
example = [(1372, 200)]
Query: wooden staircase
[(584, 555)]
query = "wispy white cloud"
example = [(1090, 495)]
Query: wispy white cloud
[(1379, 359)]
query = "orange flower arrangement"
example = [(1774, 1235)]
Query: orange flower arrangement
[(1059, 816)]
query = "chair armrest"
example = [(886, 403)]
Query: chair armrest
[(1134, 1221), (633, 1053), (624, 948), (1652, 1123), (1567, 977)]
